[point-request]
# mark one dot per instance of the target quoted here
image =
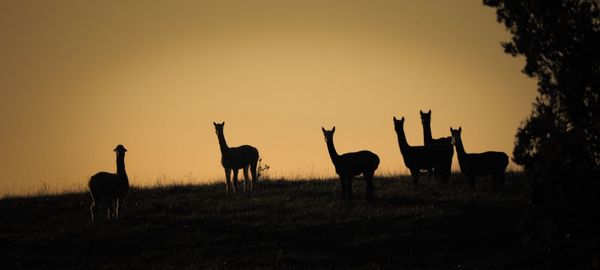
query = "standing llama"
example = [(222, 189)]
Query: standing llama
[(110, 188), (417, 158), (428, 138), (479, 164), (235, 158), (352, 164)]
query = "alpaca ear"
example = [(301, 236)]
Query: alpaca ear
[(333, 130), (402, 119), (459, 129), (429, 112), (223, 123), (323, 129), (395, 119), (421, 112)]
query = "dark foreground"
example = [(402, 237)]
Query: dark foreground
[(300, 224)]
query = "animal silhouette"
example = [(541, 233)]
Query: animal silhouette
[(417, 158), (110, 188), (427, 137), (429, 140), (234, 158), (352, 164), (475, 165)]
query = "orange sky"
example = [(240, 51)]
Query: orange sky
[(77, 78)]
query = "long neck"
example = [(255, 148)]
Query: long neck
[(427, 133), (121, 166), (222, 143), (332, 152), (402, 140), (460, 149)]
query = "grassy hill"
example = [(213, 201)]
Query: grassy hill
[(286, 224)]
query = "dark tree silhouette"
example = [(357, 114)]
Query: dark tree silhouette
[(559, 144)]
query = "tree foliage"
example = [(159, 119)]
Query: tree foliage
[(559, 144), (561, 43)]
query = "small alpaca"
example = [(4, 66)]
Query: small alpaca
[(417, 158), (235, 158), (428, 139), (110, 188), (479, 164), (352, 164)]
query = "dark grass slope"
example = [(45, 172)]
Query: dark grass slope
[(300, 224)]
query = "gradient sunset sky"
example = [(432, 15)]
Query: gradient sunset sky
[(79, 77)]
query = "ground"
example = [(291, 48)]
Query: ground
[(285, 224)]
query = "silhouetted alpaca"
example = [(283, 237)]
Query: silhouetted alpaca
[(352, 164), (235, 158), (427, 137), (479, 164), (417, 158), (110, 188)]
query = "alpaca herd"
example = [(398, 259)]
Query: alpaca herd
[(108, 190), (416, 158)]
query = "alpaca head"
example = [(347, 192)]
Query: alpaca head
[(219, 128), (328, 134), (455, 135), (425, 117), (120, 150), (399, 124)]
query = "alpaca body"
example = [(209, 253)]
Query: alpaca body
[(109, 189), (349, 165), (243, 157), (429, 140), (482, 164), (475, 165), (443, 140), (239, 157), (417, 158), (356, 163)]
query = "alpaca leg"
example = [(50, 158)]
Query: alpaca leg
[(228, 178), (113, 208), (246, 180), (498, 180), (472, 181), (343, 182), (102, 208), (438, 173), (415, 176), (369, 183), (235, 181), (445, 174), (109, 209), (118, 209), (94, 211), (349, 186), (253, 168)]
